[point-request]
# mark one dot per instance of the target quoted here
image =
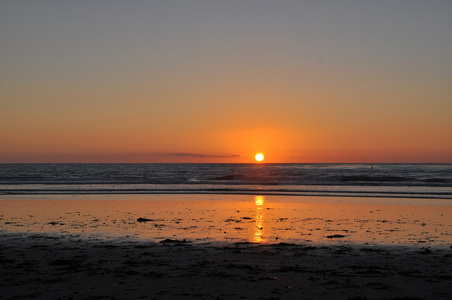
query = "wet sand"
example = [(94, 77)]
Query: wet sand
[(225, 247)]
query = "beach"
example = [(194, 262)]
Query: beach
[(225, 150), (224, 247)]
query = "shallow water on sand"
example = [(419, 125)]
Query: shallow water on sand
[(236, 218)]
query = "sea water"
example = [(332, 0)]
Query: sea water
[(431, 181)]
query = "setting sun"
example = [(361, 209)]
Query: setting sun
[(259, 157)]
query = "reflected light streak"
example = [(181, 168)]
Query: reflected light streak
[(259, 227)]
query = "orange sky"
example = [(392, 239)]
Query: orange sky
[(203, 82)]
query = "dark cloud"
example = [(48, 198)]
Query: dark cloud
[(199, 155)]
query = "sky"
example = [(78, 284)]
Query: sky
[(219, 81)]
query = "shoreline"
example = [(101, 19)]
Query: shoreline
[(170, 196), (10, 193)]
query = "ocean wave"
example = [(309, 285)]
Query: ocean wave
[(382, 180), (319, 190)]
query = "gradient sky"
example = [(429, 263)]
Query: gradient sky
[(218, 81)]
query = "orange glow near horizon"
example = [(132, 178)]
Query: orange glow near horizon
[(288, 86)]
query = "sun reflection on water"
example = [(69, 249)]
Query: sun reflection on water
[(259, 227), (258, 219)]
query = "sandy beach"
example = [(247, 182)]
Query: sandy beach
[(225, 150), (225, 247)]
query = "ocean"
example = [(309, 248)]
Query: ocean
[(346, 180)]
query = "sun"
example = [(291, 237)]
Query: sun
[(259, 157)]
